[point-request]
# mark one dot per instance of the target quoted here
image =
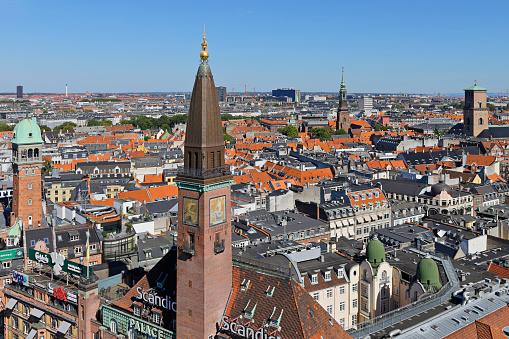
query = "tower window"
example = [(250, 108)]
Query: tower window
[(29, 186), (480, 121), (29, 202)]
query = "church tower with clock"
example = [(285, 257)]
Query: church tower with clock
[(204, 263)]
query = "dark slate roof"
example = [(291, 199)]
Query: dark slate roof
[(154, 245), (420, 158), (147, 162), (40, 234), (64, 241), (409, 188), (496, 132), (162, 206)]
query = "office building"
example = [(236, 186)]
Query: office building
[(221, 93), (366, 104), (19, 92), (292, 93)]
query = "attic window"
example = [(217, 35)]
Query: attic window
[(327, 276), (137, 310), (245, 285), (314, 279), (29, 135), (270, 292), (273, 322)]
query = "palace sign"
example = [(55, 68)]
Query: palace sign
[(151, 298), (245, 332), (58, 263)]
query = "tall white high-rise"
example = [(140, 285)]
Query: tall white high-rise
[(366, 104)]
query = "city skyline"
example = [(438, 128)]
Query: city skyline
[(135, 48)]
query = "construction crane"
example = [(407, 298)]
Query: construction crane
[(245, 87)]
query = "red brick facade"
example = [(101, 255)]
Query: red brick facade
[(204, 280), (27, 195)]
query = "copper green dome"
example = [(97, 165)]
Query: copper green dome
[(375, 252), (27, 132), (427, 274)]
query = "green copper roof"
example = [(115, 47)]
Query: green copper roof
[(475, 88), (375, 252), (427, 274), (203, 69), (15, 231), (27, 132)]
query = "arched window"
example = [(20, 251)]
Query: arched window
[(365, 274), (36, 152), (480, 121), (30, 220), (113, 326), (384, 275), (30, 153), (29, 202)]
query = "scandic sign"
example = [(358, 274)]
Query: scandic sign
[(68, 266), (245, 332)]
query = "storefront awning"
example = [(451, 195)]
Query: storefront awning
[(64, 327), (10, 304), (36, 313), (32, 334)]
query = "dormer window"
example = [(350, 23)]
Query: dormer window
[(74, 236), (244, 286), (156, 317), (327, 276), (29, 135), (137, 310), (314, 279)]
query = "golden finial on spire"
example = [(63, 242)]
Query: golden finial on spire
[(204, 54)]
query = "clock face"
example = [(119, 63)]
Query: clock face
[(190, 212)]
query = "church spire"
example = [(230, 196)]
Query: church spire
[(204, 145)]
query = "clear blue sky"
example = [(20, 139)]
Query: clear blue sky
[(385, 46)]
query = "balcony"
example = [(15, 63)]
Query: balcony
[(203, 173), (219, 247), (188, 248)]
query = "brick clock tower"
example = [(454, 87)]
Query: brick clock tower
[(204, 264), (475, 113), (343, 118), (26, 167)]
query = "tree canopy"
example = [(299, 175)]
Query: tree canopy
[(289, 131), (66, 127), (164, 122), (103, 122), (4, 127), (340, 131), (322, 133)]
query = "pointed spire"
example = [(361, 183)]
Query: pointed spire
[(204, 146), (343, 77)]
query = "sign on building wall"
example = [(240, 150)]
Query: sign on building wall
[(11, 254), (20, 278), (55, 260)]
